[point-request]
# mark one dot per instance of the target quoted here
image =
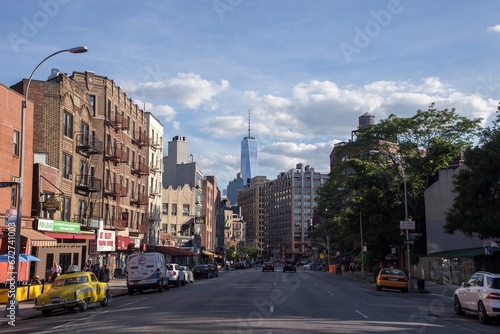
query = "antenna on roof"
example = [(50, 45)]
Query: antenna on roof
[(249, 123)]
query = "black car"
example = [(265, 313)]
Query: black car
[(202, 270), (268, 266), (240, 265), (289, 266), (214, 270)]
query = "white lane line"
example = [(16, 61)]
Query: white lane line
[(271, 309), (364, 316)]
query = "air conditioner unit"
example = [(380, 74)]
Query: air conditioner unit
[(70, 177)]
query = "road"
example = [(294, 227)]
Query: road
[(252, 301)]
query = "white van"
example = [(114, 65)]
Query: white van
[(146, 271)]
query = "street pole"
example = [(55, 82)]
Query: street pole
[(12, 307), (362, 247), (408, 258)]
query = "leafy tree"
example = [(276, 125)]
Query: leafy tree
[(371, 188), (476, 208)]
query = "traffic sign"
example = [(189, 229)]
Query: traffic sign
[(407, 225), (409, 242)]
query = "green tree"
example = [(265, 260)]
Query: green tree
[(476, 207), (371, 187)]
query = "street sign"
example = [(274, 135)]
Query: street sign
[(409, 242), (199, 220), (7, 184), (407, 225)]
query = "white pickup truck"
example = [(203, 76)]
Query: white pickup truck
[(175, 275)]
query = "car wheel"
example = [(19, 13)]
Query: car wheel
[(84, 305), (457, 307), (71, 308), (46, 313), (483, 317), (130, 291), (379, 287), (105, 301)]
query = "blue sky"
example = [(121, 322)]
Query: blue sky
[(306, 69)]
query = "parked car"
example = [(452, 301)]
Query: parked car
[(72, 290), (268, 265), (289, 266), (392, 278), (146, 271), (188, 274), (308, 266), (175, 275), (479, 295), (201, 270), (240, 265), (214, 269)]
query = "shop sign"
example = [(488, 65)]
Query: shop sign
[(58, 226), (106, 241)]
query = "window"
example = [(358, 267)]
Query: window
[(165, 209), (66, 208), (174, 209), (185, 209), (92, 105), (67, 166), (85, 133), (16, 143), (68, 124)]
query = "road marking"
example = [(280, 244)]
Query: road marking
[(364, 316), (271, 309)]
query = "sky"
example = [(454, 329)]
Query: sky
[(306, 70)]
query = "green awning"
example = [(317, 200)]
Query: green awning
[(462, 253)]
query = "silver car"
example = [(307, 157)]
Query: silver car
[(188, 274), (479, 295)]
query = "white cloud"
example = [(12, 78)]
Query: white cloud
[(495, 28)]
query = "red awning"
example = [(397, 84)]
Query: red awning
[(174, 251), (78, 236)]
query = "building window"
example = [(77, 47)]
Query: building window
[(185, 209), (165, 209), (92, 105), (16, 143), (68, 124), (67, 166), (66, 208), (174, 209)]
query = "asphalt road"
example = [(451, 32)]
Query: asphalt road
[(252, 301)]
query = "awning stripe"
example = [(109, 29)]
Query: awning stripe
[(73, 236), (38, 239)]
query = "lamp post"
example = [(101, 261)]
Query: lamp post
[(408, 258), (362, 247), (13, 304)]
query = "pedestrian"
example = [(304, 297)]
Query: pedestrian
[(55, 271), (104, 274), (339, 268), (35, 280)]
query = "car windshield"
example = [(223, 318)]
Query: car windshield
[(70, 281)]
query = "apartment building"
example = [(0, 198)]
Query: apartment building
[(289, 205), (251, 201)]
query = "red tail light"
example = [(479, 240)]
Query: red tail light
[(382, 277), (405, 279), (493, 295)]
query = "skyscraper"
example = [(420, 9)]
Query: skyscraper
[(248, 156)]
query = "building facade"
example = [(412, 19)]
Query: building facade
[(289, 206)]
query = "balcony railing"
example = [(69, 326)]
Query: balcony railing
[(115, 190), (140, 169), (140, 139), (116, 154), (119, 122), (139, 199), (87, 183), (87, 145)]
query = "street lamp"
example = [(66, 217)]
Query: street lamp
[(12, 296), (408, 258)]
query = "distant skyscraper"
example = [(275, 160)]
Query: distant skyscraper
[(248, 156)]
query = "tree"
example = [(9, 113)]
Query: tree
[(476, 207), (371, 187)]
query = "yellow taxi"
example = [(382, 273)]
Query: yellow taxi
[(72, 290), (392, 278)]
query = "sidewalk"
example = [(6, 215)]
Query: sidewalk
[(117, 287), (430, 286)]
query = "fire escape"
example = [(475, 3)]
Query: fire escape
[(86, 184), (116, 155)]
